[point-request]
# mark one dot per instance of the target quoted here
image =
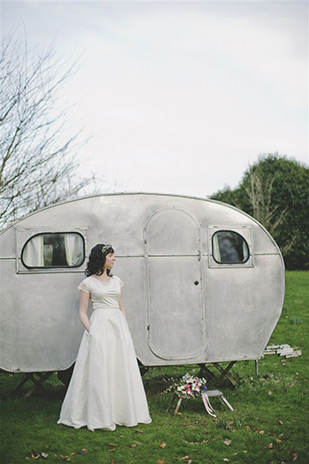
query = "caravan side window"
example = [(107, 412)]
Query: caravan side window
[(50, 250), (229, 248)]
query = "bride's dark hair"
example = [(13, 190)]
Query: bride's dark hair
[(97, 260)]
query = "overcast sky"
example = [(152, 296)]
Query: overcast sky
[(179, 97)]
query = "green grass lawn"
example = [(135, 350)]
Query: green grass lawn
[(269, 423)]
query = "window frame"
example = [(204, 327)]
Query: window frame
[(233, 232), (246, 234), (54, 267)]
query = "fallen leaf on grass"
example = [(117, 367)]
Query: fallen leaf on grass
[(133, 445), (247, 427), (65, 458), (278, 441), (261, 432), (270, 392), (228, 424), (227, 442), (159, 461), (270, 446), (163, 445), (138, 431), (113, 444), (113, 461), (82, 451), (112, 450), (295, 456), (225, 459), (36, 455), (280, 422)]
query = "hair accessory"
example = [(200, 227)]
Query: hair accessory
[(106, 247)]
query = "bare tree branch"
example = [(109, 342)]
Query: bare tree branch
[(37, 165), (259, 192)]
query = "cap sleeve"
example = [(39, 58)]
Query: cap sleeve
[(120, 281), (83, 286)]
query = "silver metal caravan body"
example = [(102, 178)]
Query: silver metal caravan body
[(204, 282)]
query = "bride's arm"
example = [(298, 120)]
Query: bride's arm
[(121, 306), (83, 309)]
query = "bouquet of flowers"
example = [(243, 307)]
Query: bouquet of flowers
[(190, 386)]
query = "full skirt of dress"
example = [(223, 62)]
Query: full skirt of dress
[(106, 388)]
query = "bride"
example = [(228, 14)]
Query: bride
[(106, 388)]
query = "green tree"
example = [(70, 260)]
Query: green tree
[(275, 191)]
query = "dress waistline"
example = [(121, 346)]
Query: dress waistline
[(105, 307)]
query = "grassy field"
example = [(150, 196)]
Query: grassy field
[(269, 423)]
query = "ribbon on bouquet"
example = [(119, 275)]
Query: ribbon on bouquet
[(207, 405)]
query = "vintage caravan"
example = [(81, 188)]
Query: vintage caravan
[(204, 282)]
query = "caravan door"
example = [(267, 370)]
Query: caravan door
[(175, 303)]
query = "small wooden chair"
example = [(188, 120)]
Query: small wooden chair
[(209, 393)]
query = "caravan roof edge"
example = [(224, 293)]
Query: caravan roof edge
[(142, 193)]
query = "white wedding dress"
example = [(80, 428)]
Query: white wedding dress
[(106, 388)]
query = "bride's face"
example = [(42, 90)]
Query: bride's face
[(109, 261)]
